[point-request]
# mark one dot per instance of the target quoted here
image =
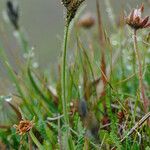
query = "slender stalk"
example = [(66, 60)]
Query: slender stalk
[(21, 143), (63, 80), (60, 135), (141, 86), (29, 142), (35, 140), (110, 13), (102, 46)]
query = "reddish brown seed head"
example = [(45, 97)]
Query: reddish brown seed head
[(24, 126), (120, 116), (74, 107), (87, 20), (135, 20)]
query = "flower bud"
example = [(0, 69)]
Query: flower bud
[(87, 20), (135, 20)]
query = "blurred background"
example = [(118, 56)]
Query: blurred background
[(43, 23)]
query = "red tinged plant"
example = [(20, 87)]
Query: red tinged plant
[(135, 21)]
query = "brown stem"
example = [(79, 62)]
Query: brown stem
[(141, 85), (4, 127), (29, 142), (102, 45), (16, 111), (101, 42)]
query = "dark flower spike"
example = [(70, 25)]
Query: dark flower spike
[(135, 20), (13, 13), (72, 7)]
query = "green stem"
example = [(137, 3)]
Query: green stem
[(35, 140), (63, 80), (141, 85)]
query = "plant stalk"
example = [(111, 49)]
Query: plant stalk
[(102, 46), (63, 80), (141, 85), (35, 140)]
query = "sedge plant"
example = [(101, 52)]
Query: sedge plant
[(95, 91), (71, 7)]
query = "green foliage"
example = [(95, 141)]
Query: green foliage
[(115, 139), (62, 121)]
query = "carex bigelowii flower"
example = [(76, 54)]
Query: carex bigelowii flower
[(13, 13), (135, 20), (72, 7)]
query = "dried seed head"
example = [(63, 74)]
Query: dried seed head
[(120, 116), (105, 121), (24, 126), (87, 20), (13, 13), (135, 20), (72, 7), (74, 107)]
